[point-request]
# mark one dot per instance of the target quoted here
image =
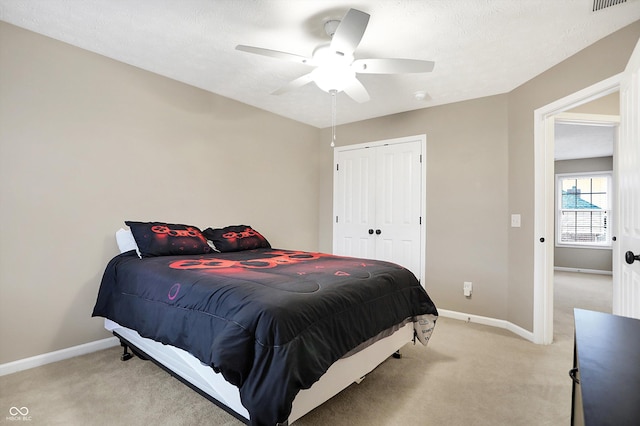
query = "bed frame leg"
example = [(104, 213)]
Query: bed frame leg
[(126, 356), (397, 354)]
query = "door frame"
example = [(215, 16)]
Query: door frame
[(544, 196), (423, 189)]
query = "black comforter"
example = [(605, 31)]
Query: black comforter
[(271, 321)]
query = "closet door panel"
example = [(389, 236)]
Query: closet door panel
[(355, 204), (398, 217)]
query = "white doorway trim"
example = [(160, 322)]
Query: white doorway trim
[(544, 222)]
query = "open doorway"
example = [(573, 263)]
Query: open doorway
[(544, 211), (584, 169)]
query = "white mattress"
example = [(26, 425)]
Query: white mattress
[(338, 377)]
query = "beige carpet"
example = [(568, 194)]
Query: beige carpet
[(578, 290), (469, 375)]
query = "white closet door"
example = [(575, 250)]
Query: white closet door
[(354, 203), (377, 203), (398, 191)]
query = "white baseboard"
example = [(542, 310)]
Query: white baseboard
[(584, 271), (525, 334), (38, 360)]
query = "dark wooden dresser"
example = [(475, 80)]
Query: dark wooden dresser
[(606, 373)]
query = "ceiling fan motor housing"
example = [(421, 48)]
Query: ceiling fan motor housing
[(331, 26)]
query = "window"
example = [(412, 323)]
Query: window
[(583, 208)]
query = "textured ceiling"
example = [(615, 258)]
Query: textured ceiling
[(481, 47), (573, 141)]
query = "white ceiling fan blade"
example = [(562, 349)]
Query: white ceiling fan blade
[(274, 54), (391, 66), (349, 32), (295, 84), (356, 91)]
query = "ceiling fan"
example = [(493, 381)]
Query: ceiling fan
[(335, 65)]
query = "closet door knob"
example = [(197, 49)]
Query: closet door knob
[(378, 232), (629, 257), (370, 231)]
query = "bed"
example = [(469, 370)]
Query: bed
[(267, 333)]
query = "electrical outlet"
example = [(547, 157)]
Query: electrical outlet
[(468, 288), (515, 221)]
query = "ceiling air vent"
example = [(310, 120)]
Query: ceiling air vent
[(602, 4)]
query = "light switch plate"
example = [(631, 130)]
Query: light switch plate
[(467, 288)]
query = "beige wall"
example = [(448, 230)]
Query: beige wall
[(597, 62), (483, 145), (583, 258), (466, 197), (87, 142), (608, 105)]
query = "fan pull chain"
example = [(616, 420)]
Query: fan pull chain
[(333, 118)]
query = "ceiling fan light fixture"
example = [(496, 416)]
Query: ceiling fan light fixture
[(325, 55), (333, 77)]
